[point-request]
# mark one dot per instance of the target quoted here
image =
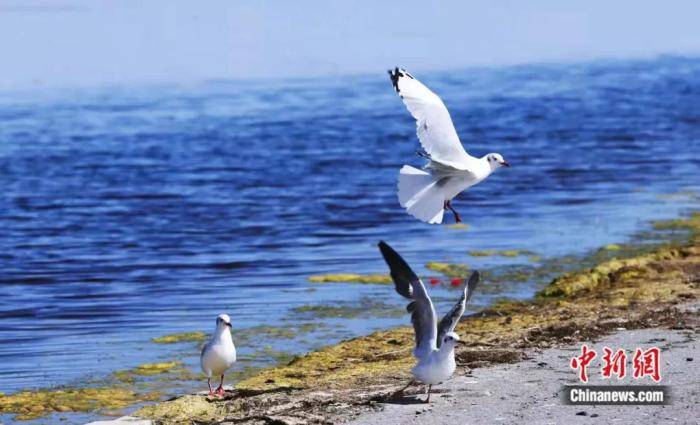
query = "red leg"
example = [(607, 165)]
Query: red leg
[(211, 391), (448, 206), (220, 390)]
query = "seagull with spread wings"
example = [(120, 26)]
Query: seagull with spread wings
[(427, 193), (435, 342)]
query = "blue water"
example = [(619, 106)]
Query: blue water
[(128, 213)]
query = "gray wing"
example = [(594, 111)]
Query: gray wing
[(205, 349), (409, 286), (449, 322)]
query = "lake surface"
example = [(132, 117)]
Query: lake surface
[(128, 213)]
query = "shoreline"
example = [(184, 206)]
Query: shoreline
[(336, 383), (380, 361), (530, 390)]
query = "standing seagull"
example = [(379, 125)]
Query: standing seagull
[(219, 353), (435, 343), (450, 169)]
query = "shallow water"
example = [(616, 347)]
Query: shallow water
[(133, 212)]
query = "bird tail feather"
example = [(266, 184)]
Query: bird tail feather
[(420, 194)]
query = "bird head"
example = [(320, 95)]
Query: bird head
[(223, 321), (496, 160), (450, 339)]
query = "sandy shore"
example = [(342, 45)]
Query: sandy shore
[(529, 391)]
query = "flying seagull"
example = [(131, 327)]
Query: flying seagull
[(435, 342), (219, 353), (450, 170)]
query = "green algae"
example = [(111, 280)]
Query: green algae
[(493, 252), (267, 332), (185, 409), (612, 247), (609, 273), (351, 277), (509, 253), (28, 405), (196, 336), (339, 364), (692, 223), (449, 269), (458, 226), (365, 308), (147, 369)]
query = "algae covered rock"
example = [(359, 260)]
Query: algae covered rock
[(147, 369), (607, 273), (511, 253), (36, 404), (449, 269), (351, 277), (692, 223), (196, 336), (185, 409)]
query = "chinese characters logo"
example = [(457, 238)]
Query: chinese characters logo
[(645, 363)]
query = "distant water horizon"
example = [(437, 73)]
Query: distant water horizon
[(41, 90), (128, 214)]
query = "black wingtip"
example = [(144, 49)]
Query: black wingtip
[(394, 76), (472, 282), (401, 273)]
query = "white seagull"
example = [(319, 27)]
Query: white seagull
[(219, 353), (435, 343), (450, 169)]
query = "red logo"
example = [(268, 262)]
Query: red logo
[(647, 363), (581, 362), (614, 363)]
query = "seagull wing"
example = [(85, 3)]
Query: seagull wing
[(434, 126), (449, 322), (421, 307)]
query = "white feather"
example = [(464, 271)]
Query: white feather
[(219, 353), (450, 169), (420, 195), (435, 367), (434, 125)]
